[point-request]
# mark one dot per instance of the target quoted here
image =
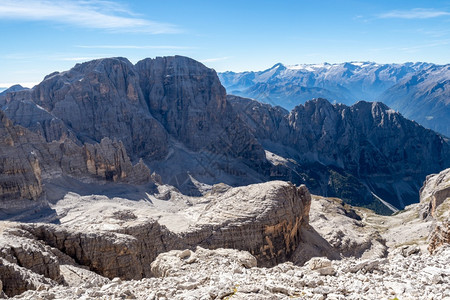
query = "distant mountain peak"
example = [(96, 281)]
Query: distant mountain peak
[(13, 88)]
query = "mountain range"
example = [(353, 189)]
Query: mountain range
[(420, 91), (129, 129)]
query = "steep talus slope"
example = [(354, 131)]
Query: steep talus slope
[(435, 201), (365, 147), (29, 163), (96, 99)]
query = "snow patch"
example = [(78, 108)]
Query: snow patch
[(391, 111)]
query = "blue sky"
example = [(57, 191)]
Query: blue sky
[(40, 36)]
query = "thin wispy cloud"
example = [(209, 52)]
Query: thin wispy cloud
[(208, 60), (134, 47), (95, 14), (416, 13), (425, 46)]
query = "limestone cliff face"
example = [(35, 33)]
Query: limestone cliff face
[(367, 143), (278, 211), (439, 236), (188, 99), (20, 176), (109, 160)]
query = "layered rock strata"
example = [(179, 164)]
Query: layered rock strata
[(435, 202), (347, 152), (121, 238)]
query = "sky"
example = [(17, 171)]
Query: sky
[(39, 37)]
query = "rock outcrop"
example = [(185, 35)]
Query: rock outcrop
[(434, 192), (121, 238), (188, 99), (439, 236), (109, 160), (97, 99)]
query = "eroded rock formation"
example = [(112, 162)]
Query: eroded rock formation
[(347, 152), (121, 238), (435, 202)]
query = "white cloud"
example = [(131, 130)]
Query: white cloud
[(97, 14), (416, 13), (208, 60)]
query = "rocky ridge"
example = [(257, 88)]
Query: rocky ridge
[(420, 91), (435, 201), (222, 273), (347, 152)]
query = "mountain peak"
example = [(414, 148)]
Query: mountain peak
[(13, 88)]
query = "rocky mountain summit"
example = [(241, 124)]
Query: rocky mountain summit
[(121, 238), (418, 90), (108, 121)]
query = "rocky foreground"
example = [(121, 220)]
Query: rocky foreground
[(282, 243), (232, 274)]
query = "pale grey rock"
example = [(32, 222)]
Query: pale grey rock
[(212, 276), (321, 265), (435, 204), (121, 238), (435, 190), (97, 99)]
